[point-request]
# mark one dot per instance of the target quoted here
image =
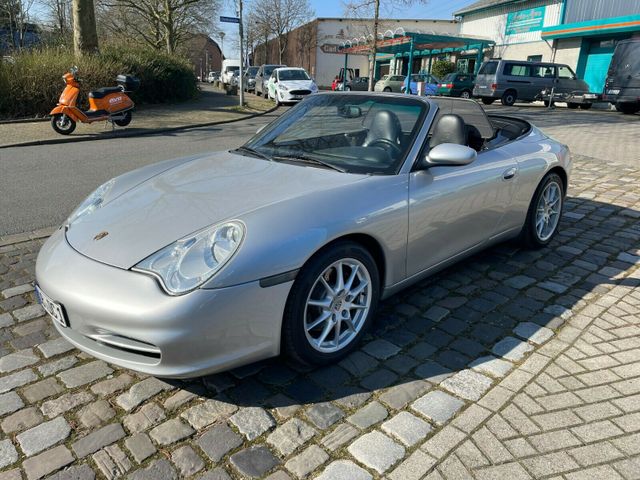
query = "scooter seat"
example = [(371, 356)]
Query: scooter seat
[(103, 92)]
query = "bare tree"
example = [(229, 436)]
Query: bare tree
[(371, 9), (15, 16), (279, 17), (58, 13), (160, 23), (85, 35)]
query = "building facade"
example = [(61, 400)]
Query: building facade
[(579, 33), (204, 54), (314, 46)]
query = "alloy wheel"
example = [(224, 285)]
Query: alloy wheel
[(548, 211), (337, 305)]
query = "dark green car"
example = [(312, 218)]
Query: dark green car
[(456, 85)]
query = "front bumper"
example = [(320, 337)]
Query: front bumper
[(124, 317), (577, 98), (287, 96)]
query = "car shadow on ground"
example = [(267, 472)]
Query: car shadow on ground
[(454, 319)]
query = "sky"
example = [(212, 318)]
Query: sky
[(435, 9)]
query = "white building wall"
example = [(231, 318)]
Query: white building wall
[(335, 31)]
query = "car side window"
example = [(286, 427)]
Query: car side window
[(517, 70), (462, 78), (565, 72)]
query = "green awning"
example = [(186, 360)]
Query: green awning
[(423, 44)]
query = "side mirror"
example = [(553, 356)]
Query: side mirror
[(350, 111), (449, 154)]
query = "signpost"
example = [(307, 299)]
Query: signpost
[(238, 20)]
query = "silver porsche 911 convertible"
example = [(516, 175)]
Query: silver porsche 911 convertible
[(287, 244)]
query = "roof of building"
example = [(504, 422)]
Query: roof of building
[(481, 5)]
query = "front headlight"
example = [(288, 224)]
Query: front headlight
[(189, 262), (282, 87), (314, 87), (91, 203)]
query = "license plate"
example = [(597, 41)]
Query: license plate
[(53, 308), (590, 96), (297, 97), (613, 92), (482, 86)]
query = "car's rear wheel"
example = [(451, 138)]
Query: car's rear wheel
[(347, 88), (488, 101), (509, 98), (386, 89), (572, 106), (465, 94), (331, 304), (545, 211), (586, 106)]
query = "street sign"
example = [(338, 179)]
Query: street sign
[(230, 19)]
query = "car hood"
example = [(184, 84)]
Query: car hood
[(189, 197), (295, 84)]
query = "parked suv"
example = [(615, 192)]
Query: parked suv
[(511, 80), (262, 78), (622, 87)]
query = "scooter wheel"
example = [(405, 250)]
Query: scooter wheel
[(63, 124), (123, 122)]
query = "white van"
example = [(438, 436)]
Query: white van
[(228, 68)]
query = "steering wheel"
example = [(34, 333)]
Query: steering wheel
[(386, 144)]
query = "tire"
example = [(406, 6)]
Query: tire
[(548, 102), (277, 100), (572, 106), (488, 101), (465, 94), (386, 89), (628, 108), (586, 106), (347, 88), (297, 337), (531, 236), (509, 98), (125, 121), (63, 124)]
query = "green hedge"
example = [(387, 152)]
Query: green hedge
[(31, 82)]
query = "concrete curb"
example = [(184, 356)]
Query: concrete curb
[(26, 236), (24, 120), (126, 134)]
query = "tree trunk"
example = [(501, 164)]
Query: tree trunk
[(280, 49), (374, 47), (85, 36)]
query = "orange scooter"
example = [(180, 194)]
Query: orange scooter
[(109, 103)]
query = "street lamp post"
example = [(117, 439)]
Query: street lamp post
[(241, 79)]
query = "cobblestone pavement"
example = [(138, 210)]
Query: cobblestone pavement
[(513, 364)]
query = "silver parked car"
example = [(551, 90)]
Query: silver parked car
[(286, 244)]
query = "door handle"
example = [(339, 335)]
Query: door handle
[(510, 173)]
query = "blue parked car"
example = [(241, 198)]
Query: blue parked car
[(431, 83)]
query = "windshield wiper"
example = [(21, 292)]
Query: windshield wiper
[(305, 159), (253, 151)]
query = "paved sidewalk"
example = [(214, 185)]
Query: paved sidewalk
[(213, 105), (513, 364)]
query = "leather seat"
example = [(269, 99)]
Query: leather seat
[(449, 129), (103, 92), (384, 125)]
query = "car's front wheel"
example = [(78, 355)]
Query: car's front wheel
[(331, 304), (545, 210)]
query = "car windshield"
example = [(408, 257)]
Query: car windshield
[(233, 69), (367, 134), (251, 71), (269, 70), (450, 77), (285, 75)]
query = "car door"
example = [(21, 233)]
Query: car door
[(455, 208), (567, 81)]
